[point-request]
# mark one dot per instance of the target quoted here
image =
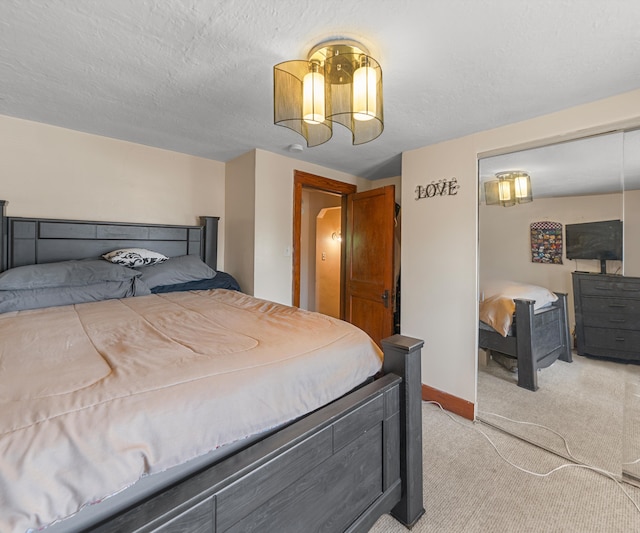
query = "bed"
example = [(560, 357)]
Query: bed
[(335, 461), (527, 323)]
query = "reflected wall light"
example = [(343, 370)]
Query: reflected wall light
[(338, 82), (509, 188)]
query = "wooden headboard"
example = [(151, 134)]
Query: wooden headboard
[(28, 241)]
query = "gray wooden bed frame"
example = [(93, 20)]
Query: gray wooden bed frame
[(337, 469), (539, 338)]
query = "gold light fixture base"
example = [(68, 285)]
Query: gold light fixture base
[(338, 58)]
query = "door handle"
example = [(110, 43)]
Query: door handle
[(385, 298)]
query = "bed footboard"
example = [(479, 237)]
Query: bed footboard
[(402, 357), (541, 337), (338, 469)]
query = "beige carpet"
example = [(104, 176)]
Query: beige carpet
[(583, 401), (468, 488), (631, 431)]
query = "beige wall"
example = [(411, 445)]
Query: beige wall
[(631, 229), (439, 242), (274, 221), (240, 204), (328, 252), (47, 171), (505, 244), (439, 235)]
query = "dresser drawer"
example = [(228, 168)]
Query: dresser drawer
[(610, 286), (607, 315), (611, 312), (611, 339)]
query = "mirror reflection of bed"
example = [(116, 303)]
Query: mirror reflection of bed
[(593, 403)]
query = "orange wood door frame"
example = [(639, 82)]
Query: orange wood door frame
[(304, 179)]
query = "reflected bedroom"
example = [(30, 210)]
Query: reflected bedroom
[(559, 299)]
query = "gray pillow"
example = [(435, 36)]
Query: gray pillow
[(64, 274), (52, 296), (181, 269)]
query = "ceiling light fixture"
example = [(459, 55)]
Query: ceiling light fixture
[(338, 82), (509, 188)]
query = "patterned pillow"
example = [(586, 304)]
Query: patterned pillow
[(133, 257)]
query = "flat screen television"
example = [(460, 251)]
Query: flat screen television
[(595, 240)]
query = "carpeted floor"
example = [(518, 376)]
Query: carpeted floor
[(469, 488), (585, 401), (631, 431)]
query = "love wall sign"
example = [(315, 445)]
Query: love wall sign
[(443, 187)]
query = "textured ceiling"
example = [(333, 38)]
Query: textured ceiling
[(196, 76)]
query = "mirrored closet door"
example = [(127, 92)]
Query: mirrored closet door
[(580, 408), (631, 209)]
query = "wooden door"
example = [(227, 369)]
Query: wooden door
[(369, 287)]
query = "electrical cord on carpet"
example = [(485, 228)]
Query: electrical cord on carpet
[(577, 464), (564, 440)]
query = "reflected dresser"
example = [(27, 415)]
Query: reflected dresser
[(607, 309)]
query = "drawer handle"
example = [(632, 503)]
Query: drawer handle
[(625, 289), (618, 306), (618, 320), (620, 339)]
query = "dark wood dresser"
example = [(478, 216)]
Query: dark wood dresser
[(607, 315)]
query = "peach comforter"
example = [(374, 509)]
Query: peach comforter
[(94, 396)]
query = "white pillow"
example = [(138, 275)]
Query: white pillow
[(521, 291), (133, 257)]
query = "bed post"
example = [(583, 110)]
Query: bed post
[(209, 250), (3, 236), (402, 357), (566, 336), (527, 366)]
